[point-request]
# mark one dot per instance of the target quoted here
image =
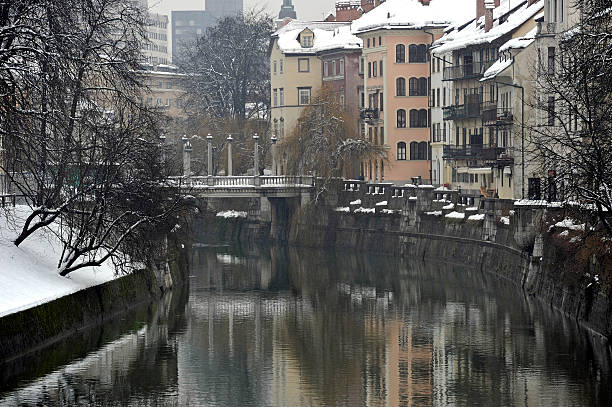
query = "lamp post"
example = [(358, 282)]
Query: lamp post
[(229, 156), (273, 139), (162, 147), (187, 149)]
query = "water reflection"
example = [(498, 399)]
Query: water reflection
[(280, 326)]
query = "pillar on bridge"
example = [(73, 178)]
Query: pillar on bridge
[(209, 169), (187, 149), (256, 159), (274, 140), (229, 156)]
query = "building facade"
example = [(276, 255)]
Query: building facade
[(156, 49), (396, 39), (223, 8), (479, 147), (187, 26)]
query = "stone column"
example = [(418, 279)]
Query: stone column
[(162, 147), (256, 159), (187, 149), (209, 164), (229, 156), (274, 140)]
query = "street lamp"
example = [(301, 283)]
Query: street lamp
[(273, 139), (229, 156)]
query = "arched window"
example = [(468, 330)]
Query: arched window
[(401, 118), (412, 53), (423, 118), (422, 53), (414, 118), (401, 151), (400, 53), (400, 86), (423, 150), (414, 150), (414, 86), (423, 87)]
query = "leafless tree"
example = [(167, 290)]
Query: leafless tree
[(573, 137), (82, 149)]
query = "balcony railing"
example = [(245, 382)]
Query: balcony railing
[(476, 152), (457, 112), (368, 114), (466, 71), (497, 116)]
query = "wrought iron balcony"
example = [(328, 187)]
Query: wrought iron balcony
[(466, 71), (485, 153), (457, 112), (368, 114), (497, 116)]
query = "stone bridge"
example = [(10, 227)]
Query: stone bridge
[(267, 199)]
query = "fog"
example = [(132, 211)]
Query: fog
[(306, 9)]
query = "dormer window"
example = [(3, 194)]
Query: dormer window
[(307, 41)]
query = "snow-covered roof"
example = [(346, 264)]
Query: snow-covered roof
[(327, 36), (412, 14), (505, 61), (507, 17)]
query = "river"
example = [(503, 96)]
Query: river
[(278, 326)]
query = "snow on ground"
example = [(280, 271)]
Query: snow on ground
[(449, 206), (569, 224), (29, 274), (382, 203), (232, 214), (434, 213)]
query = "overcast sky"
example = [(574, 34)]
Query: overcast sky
[(305, 9)]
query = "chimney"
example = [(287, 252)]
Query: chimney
[(480, 7), (425, 2), (489, 6)]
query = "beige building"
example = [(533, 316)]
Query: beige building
[(165, 92), (296, 68), (482, 114), (155, 49)]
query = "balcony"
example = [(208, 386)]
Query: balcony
[(368, 115), (467, 71), (458, 112), (483, 153), (497, 116)]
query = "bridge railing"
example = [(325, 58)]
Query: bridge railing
[(245, 181)]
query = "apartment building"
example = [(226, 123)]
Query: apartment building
[(165, 92), (155, 49), (479, 146), (303, 56), (396, 39)]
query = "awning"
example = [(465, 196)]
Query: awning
[(484, 170)]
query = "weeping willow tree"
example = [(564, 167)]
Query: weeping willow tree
[(326, 141)]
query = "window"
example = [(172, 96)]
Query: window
[(281, 66), (369, 69), (423, 85), (381, 102), (417, 53), (551, 110), (274, 70), (401, 151), (400, 87), (551, 60), (303, 96), (368, 42), (438, 97), (382, 135), (375, 135), (418, 118), (281, 94), (275, 98), (374, 41), (342, 67), (325, 69), (400, 53), (361, 65), (307, 41), (381, 67), (379, 40), (401, 118), (333, 72), (275, 126), (303, 65), (342, 99), (282, 127), (374, 69), (370, 134), (419, 151)]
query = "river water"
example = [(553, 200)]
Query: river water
[(278, 326)]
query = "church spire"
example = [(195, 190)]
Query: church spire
[(287, 10)]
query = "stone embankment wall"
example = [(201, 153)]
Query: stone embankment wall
[(515, 241), (45, 324)]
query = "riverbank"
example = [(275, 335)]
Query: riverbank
[(536, 246), (39, 307)]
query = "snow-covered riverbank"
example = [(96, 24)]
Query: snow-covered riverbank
[(28, 273)]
